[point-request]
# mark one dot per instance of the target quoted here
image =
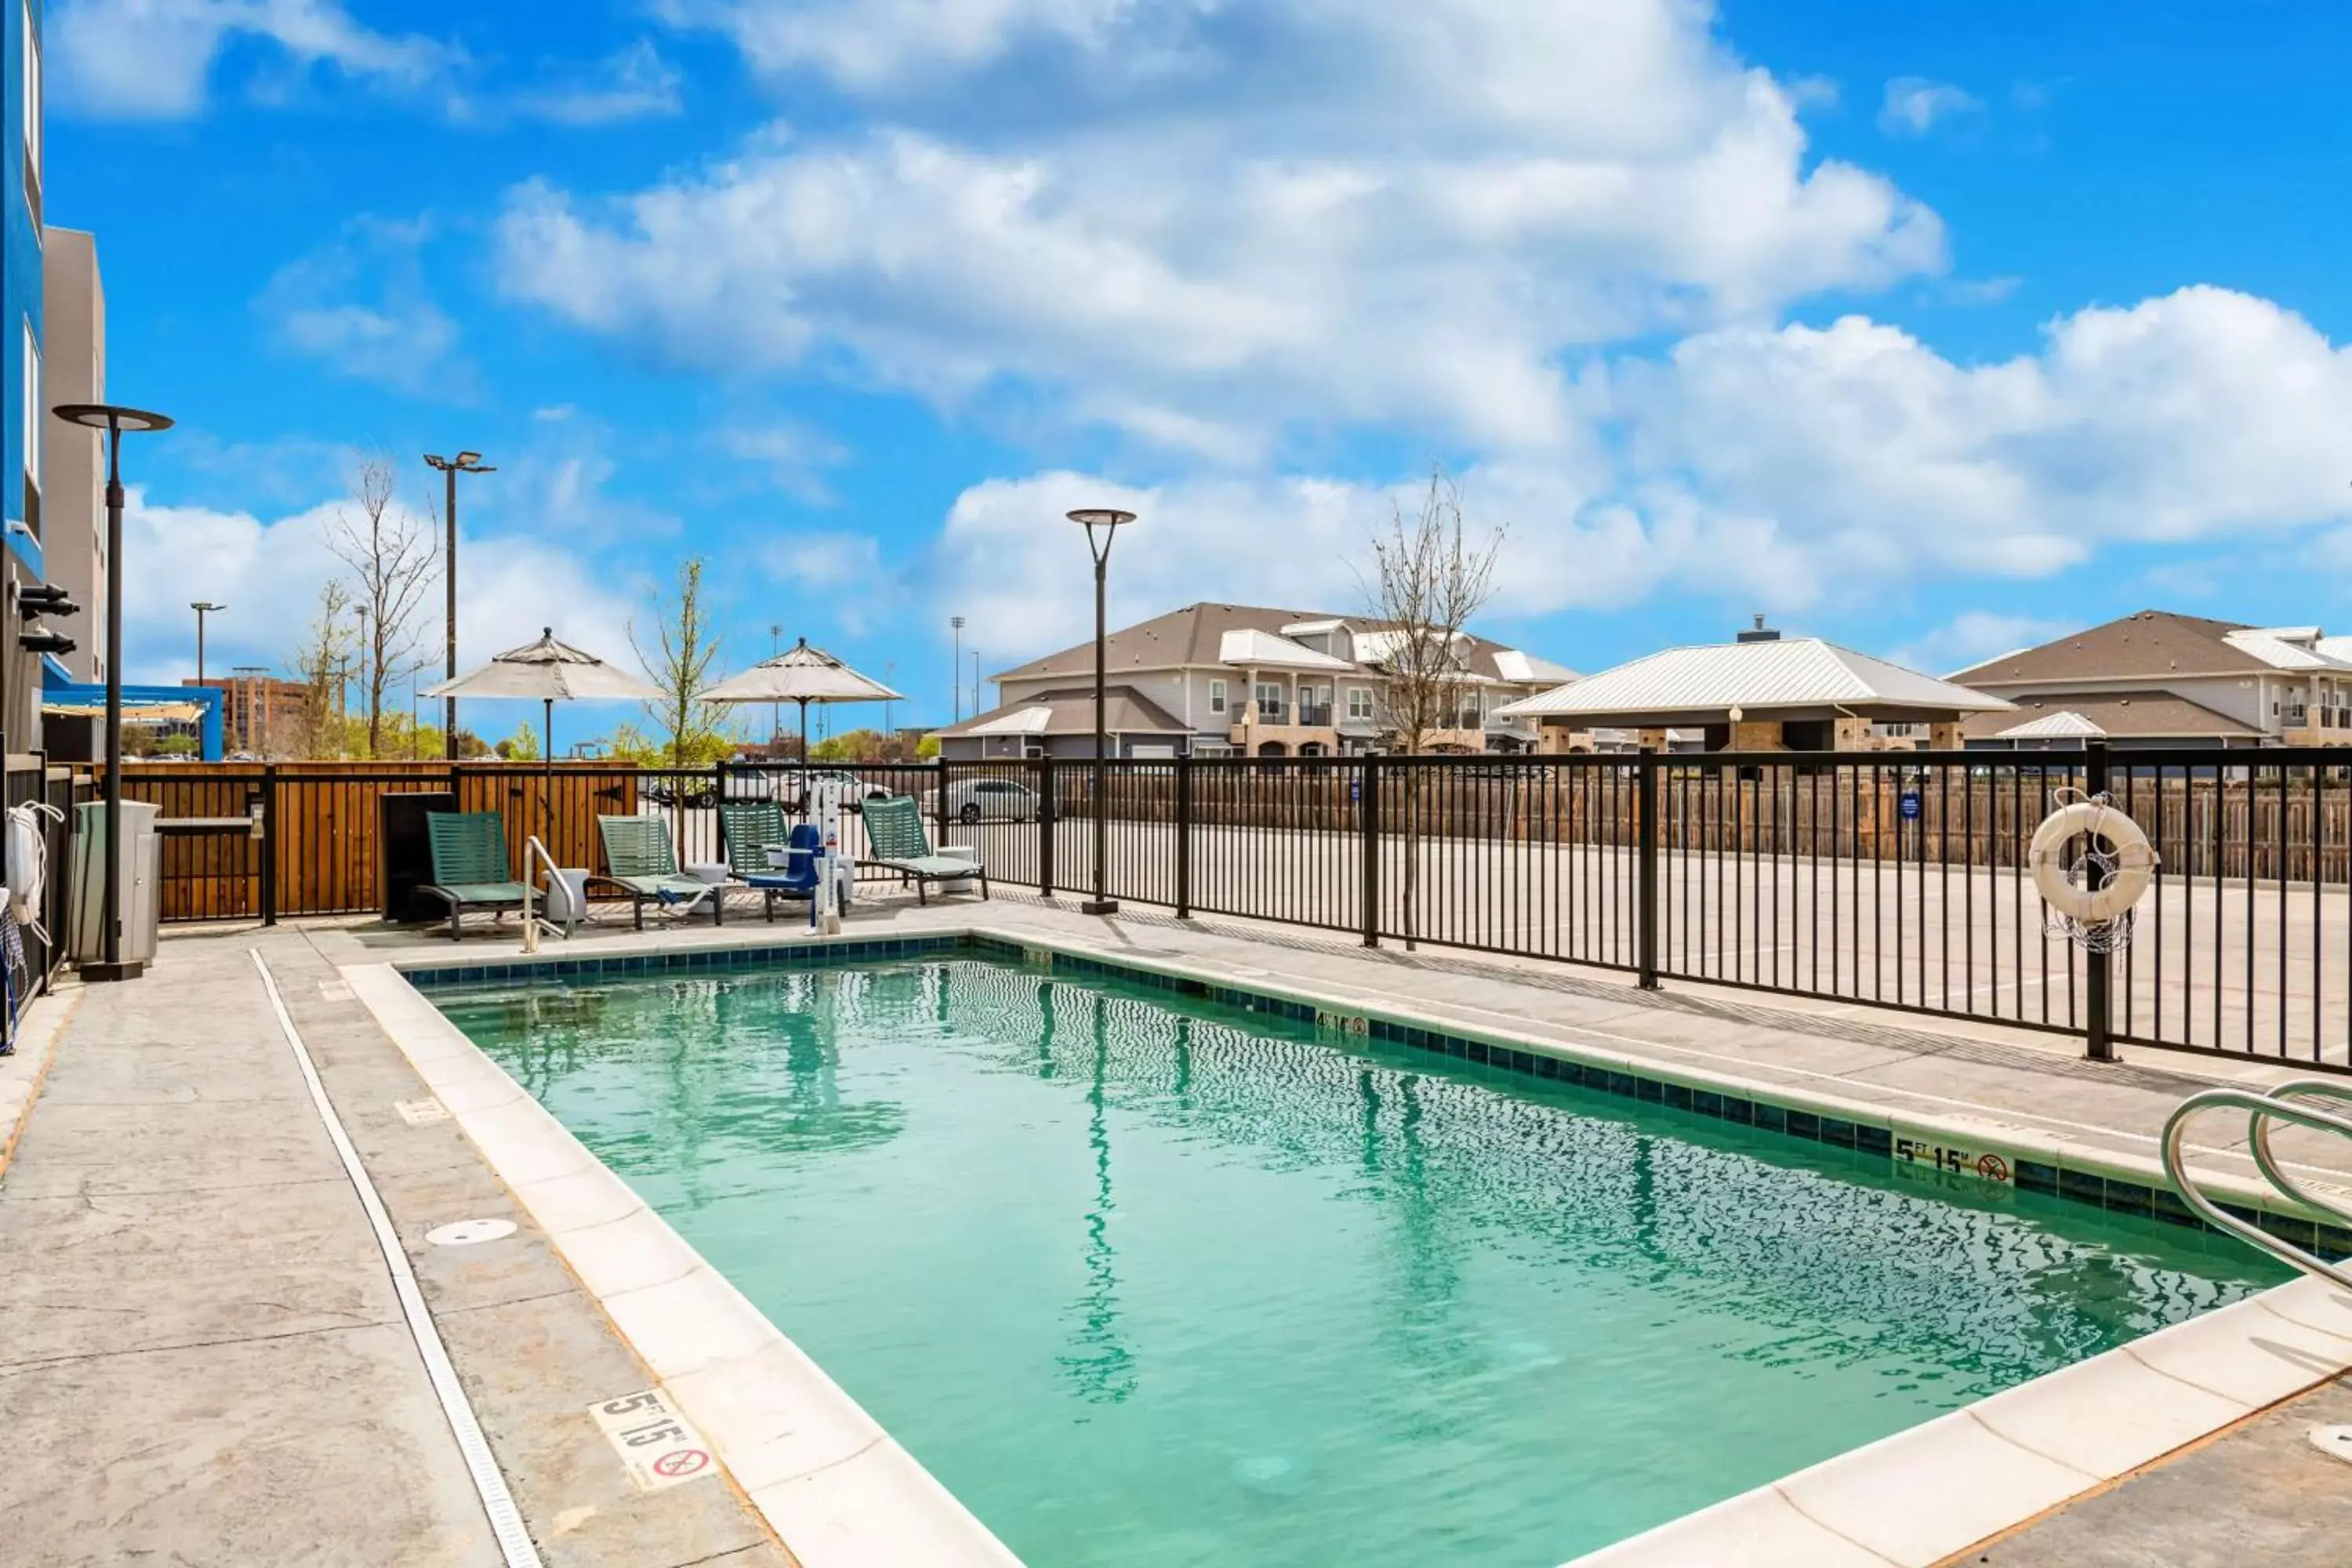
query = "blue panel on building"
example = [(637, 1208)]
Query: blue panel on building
[(20, 279)]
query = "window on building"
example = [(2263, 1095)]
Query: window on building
[(32, 390), (1216, 697), (1359, 702), (1269, 702), (31, 98)]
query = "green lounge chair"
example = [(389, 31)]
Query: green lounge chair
[(469, 864), (746, 832), (638, 861), (896, 842)]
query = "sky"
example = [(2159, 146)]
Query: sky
[(1934, 329)]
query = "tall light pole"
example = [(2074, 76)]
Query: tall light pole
[(1101, 524), (463, 463), (114, 419), (955, 671), (203, 609)]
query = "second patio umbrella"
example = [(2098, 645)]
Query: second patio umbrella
[(803, 675), (552, 672)]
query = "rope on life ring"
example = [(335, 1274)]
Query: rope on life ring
[(2103, 885)]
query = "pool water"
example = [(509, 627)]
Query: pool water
[(1147, 1283)]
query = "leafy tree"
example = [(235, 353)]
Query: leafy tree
[(679, 654)]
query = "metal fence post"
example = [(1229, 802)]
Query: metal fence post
[(939, 806), (1048, 815), (1645, 938), (2097, 967), (269, 844), (1184, 837), (1369, 809)]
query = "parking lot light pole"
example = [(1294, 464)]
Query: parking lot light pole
[(463, 463), (1101, 524)]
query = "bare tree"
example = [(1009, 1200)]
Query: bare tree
[(678, 658), (319, 664), (1429, 578), (394, 558)]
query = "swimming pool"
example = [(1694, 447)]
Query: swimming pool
[(1144, 1278)]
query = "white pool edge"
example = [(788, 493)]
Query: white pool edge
[(831, 1483), (1912, 1500)]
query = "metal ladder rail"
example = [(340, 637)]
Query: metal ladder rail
[(533, 851), (2261, 1109)]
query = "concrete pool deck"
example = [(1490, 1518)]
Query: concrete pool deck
[(175, 1187)]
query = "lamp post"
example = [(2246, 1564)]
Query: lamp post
[(1101, 524), (114, 419), (955, 670), (463, 463), (202, 609)]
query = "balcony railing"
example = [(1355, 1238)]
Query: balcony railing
[(1314, 715)]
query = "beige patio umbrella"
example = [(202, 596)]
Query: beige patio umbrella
[(552, 672), (802, 675)]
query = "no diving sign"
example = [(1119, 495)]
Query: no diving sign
[(658, 1446)]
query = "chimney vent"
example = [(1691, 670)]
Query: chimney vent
[(1760, 632)]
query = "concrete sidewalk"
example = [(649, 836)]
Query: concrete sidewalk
[(201, 1356)]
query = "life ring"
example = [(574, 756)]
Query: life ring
[(2135, 862)]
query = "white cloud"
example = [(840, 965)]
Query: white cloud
[(1774, 469), (1973, 637), (634, 83), (360, 306), (795, 456), (1916, 106), (139, 59), (268, 573), (1346, 213)]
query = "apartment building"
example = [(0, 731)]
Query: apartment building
[(1240, 681), (2156, 677)]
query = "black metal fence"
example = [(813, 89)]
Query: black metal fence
[(1896, 880), (44, 939)]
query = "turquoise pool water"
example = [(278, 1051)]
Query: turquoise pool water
[(1150, 1283)]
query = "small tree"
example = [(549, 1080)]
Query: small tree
[(1429, 578), (523, 746), (678, 656), (394, 560), (319, 664)]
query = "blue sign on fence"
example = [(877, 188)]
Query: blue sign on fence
[(1910, 806)]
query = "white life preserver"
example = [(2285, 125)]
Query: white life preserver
[(2135, 862)]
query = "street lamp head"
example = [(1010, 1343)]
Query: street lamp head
[(204, 606), (1108, 520), (463, 463), (468, 459), (112, 416)]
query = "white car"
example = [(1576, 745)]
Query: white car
[(992, 800)]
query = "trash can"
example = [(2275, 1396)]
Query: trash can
[(405, 854), (140, 861)]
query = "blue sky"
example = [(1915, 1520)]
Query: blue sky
[(1932, 328)]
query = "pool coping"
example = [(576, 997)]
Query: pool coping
[(1911, 1499)]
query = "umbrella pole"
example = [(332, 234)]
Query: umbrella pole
[(547, 761), (806, 802)]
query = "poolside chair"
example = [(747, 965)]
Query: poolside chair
[(469, 864), (639, 860), (896, 842), (747, 831)]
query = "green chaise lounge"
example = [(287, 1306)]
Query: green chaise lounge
[(895, 841), (640, 861), (469, 864)]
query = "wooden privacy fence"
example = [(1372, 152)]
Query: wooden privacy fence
[(242, 841)]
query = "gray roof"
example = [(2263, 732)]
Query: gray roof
[(2158, 646), (2145, 715), (1194, 637), (1126, 711), (1761, 678)]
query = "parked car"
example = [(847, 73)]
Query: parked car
[(993, 800)]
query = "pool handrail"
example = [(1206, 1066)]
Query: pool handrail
[(2262, 1108)]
